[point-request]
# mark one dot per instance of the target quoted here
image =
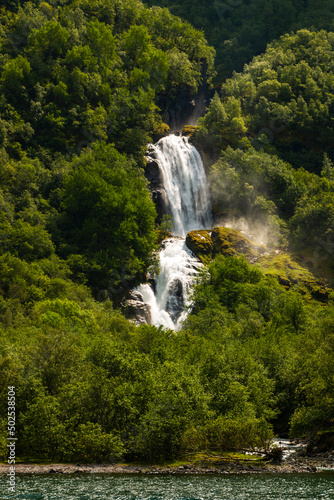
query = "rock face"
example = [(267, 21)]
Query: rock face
[(200, 243), (154, 177), (152, 171), (222, 240), (135, 308), (290, 271), (175, 301), (227, 241)]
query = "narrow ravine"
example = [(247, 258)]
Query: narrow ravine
[(189, 204)]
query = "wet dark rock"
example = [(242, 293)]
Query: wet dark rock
[(175, 300), (151, 281), (154, 176), (161, 203), (135, 308), (153, 172)]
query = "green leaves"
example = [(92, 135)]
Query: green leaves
[(27, 242), (50, 41), (102, 69), (90, 444), (109, 214)]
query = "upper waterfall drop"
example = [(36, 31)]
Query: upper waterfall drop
[(188, 199), (185, 184)]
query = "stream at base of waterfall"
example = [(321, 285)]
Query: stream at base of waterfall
[(188, 202)]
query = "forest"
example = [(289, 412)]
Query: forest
[(85, 86)]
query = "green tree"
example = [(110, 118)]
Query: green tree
[(109, 215)]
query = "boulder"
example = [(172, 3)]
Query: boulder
[(222, 240), (230, 242), (175, 300), (135, 308), (200, 243)]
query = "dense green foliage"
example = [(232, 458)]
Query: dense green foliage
[(88, 71), (278, 110), (86, 75), (282, 102), (270, 137), (100, 388), (291, 342), (279, 202), (113, 228), (83, 88), (241, 29), (81, 83)]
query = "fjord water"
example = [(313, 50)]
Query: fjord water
[(185, 487), (189, 204)]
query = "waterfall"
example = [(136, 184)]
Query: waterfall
[(185, 184), (189, 203)]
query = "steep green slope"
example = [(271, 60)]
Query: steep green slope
[(278, 110), (241, 29), (283, 100), (73, 76), (80, 86)]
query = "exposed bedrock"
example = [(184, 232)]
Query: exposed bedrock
[(135, 308)]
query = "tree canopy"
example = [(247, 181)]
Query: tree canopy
[(84, 87)]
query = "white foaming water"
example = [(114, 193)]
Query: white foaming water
[(178, 268), (185, 184), (188, 196)]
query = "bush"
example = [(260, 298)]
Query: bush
[(233, 434), (90, 444)]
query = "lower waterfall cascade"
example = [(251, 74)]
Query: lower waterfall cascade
[(189, 204)]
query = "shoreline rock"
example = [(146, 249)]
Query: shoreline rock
[(300, 465)]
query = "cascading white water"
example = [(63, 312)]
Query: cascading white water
[(178, 268), (185, 184), (188, 198)]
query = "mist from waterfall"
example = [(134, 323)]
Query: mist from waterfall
[(188, 198)]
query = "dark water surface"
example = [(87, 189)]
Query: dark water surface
[(160, 487)]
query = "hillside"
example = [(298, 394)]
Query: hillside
[(84, 87)]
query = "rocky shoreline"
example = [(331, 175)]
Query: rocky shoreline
[(312, 464)]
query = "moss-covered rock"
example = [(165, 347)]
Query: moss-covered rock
[(229, 242), (283, 266), (200, 244), (291, 274), (222, 240), (189, 130)]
